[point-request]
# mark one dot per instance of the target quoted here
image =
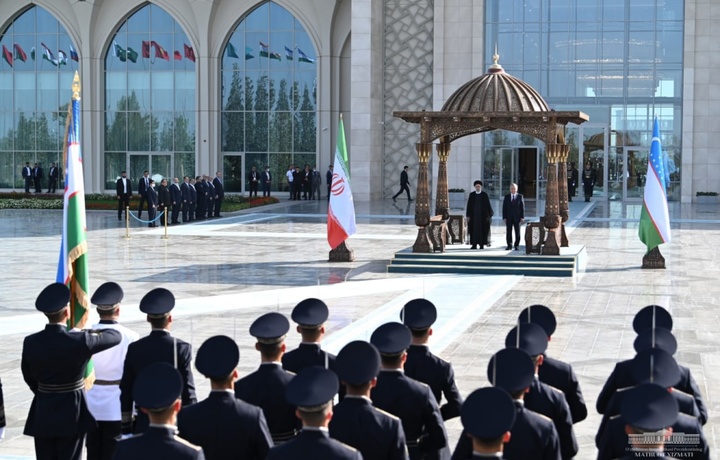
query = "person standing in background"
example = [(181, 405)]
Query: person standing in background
[(316, 181), (152, 201), (588, 180), (479, 214), (219, 193), (164, 201), (404, 184), (53, 178), (253, 181), (27, 176), (123, 189), (266, 179), (513, 215), (37, 177), (290, 174), (328, 179), (176, 197), (143, 186), (572, 180)]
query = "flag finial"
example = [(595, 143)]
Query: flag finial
[(496, 57), (76, 87)]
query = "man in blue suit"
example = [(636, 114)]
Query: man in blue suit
[(224, 426), (53, 365), (513, 213)]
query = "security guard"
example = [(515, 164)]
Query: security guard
[(224, 426), (53, 365), (542, 398), (312, 392), (266, 386), (157, 391), (104, 397), (159, 346), (408, 399), (534, 436), (419, 315), (554, 372), (652, 316), (648, 415), (356, 422), (489, 434)]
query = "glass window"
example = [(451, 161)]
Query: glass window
[(269, 91)]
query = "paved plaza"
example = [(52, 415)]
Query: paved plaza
[(226, 272)]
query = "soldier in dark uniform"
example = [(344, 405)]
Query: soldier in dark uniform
[(310, 316), (652, 316), (408, 399), (266, 386), (554, 372), (648, 414), (157, 391), (419, 315), (224, 426), (588, 180), (159, 346), (488, 434), (542, 398), (613, 442), (53, 365), (533, 435), (356, 422), (312, 392)]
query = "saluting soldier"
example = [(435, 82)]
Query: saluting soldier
[(488, 434), (652, 316), (53, 366), (408, 399), (554, 372), (266, 386), (543, 398), (104, 397), (419, 315), (224, 426), (534, 436), (159, 346), (157, 391), (377, 434), (313, 391)]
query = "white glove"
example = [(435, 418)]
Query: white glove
[(2, 433)]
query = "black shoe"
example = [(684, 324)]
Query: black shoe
[(411, 199), (218, 215), (394, 200), (507, 248), (474, 246), (482, 247), (517, 248), (119, 218)]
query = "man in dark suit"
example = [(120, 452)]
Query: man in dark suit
[(53, 365), (419, 315), (356, 422), (143, 187), (186, 190), (572, 180), (201, 191), (211, 197), (253, 178), (123, 189), (266, 179), (159, 346), (152, 200), (37, 177), (588, 180), (176, 197), (554, 372), (224, 426), (193, 200), (328, 179), (312, 392), (316, 182), (164, 201), (408, 399), (404, 184), (533, 435), (157, 391), (513, 215), (27, 176), (266, 386), (53, 178), (219, 193)]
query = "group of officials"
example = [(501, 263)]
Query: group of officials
[(479, 213), (198, 199), (375, 400), (33, 176), (307, 182)]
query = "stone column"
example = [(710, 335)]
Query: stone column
[(552, 220), (563, 192), (442, 200), (422, 200)]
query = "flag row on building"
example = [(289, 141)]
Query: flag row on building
[(146, 49), (19, 54), (266, 53)]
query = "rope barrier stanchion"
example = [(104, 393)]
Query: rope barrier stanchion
[(127, 222), (166, 226)]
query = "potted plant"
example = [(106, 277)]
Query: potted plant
[(706, 197), (457, 198)]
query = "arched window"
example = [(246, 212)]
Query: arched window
[(36, 71), (149, 98), (269, 97)]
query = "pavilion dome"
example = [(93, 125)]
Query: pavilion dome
[(495, 91)]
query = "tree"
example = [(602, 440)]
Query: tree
[(233, 123), (281, 122), (305, 131)]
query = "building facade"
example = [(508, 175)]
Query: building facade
[(188, 87)]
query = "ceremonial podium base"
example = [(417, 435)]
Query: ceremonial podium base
[(653, 259), (341, 254)]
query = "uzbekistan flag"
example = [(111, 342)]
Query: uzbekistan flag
[(73, 264), (341, 211), (655, 218)]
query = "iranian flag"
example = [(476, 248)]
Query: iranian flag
[(654, 218), (341, 210)]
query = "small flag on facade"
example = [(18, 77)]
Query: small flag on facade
[(289, 54), (189, 53), (132, 55), (19, 53), (73, 54), (248, 53), (7, 55), (304, 57), (231, 52)]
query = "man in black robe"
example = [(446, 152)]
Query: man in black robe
[(479, 213)]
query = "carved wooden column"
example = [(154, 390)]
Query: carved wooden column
[(552, 219), (422, 200), (563, 192), (442, 200)]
